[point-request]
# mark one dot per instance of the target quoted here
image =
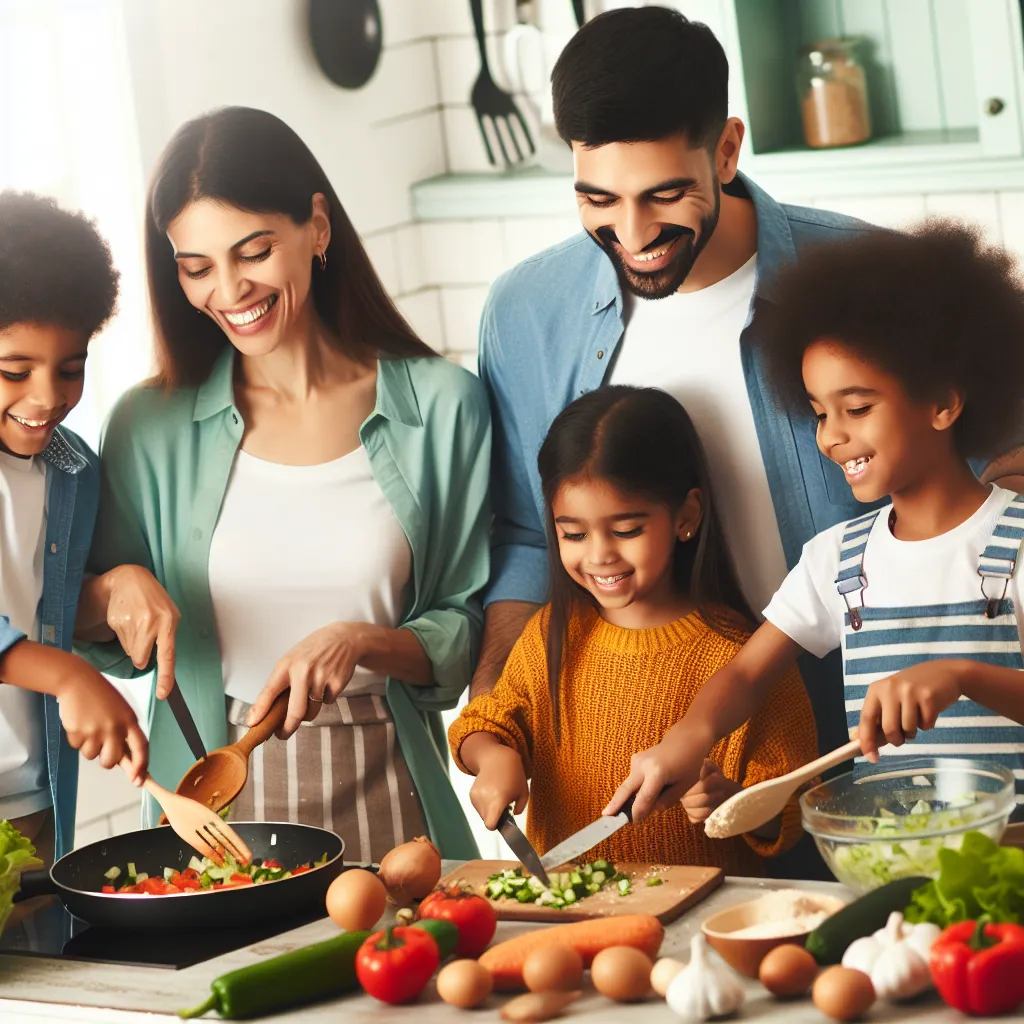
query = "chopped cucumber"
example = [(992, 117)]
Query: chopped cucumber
[(113, 874), (566, 887), (624, 887), (599, 877), (169, 873), (654, 881), (141, 877), (131, 869)]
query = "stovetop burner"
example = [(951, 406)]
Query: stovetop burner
[(50, 931)]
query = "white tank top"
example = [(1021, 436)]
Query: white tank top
[(297, 548)]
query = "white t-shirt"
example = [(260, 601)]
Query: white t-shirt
[(688, 344), (24, 784), (901, 574), (297, 548)]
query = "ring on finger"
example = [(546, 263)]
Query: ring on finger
[(314, 699)]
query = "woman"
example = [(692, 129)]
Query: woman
[(306, 481)]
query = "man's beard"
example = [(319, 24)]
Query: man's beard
[(659, 284)]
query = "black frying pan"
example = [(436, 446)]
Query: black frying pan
[(78, 877)]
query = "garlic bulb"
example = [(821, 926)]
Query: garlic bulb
[(895, 958), (702, 990)]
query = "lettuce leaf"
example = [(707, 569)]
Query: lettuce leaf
[(17, 854), (979, 878)]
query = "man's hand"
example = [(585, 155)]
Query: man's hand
[(900, 704), (712, 790), (500, 781), (504, 622)]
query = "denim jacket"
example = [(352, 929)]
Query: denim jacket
[(72, 495)]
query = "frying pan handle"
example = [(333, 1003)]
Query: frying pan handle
[(35, 883), (267, 726)]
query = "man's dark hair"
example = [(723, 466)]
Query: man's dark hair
[(640, 75), (54, 266), (937, 307)]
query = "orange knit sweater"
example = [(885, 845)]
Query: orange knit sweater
[(620, 691)]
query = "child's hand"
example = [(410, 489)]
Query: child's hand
[(100, 722), (900, 704), (142, 614), (713, 789), (500, 781), (659, 776)]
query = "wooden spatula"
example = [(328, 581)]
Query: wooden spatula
[(757, 805), (219, 777)]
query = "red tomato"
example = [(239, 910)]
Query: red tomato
[(395, 965), (108, 888), (273, 865), (191, 874), (471, 914), (155, 886), (300, 869), (184, 882)]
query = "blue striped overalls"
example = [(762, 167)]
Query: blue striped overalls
[(882, 641)]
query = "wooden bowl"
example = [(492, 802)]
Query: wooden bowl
[(745, 954)]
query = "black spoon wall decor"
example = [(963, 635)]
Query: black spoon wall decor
[(347, 39)]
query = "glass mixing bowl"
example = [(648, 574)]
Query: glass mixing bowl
[(891, 820)]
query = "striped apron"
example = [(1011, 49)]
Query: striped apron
[(882, 641), (344, 771)]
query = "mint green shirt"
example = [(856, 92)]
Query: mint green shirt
[(165, 462)]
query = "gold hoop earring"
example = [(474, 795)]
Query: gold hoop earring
[(323, 259)]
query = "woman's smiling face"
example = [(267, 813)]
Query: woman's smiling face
[(249, 272)]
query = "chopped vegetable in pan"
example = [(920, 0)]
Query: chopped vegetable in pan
[(201, 875)]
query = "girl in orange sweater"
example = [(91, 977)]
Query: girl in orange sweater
[(644, 608)]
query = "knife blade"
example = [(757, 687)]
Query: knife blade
[(182, 715), (588, 837), (522, 847)]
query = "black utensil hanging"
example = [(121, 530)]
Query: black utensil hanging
[(577, 6), (347, 39)]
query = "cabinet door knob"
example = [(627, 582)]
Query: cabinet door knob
[(994, 106)]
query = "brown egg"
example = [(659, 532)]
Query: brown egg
[(464, 983), (553, 969), (788, 971), (356, 900), (663, 973), (843, 993), (622, 973)]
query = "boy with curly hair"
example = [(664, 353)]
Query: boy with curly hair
[(910, 350), (57, 289)]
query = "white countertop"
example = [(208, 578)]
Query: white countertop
[(40, 991)]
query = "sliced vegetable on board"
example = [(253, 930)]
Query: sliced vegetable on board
[(395, 965), (864, 916), (978, 967), (471, 914), (322, 971), (505, 961)]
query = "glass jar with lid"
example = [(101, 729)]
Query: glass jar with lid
[(833, 92)]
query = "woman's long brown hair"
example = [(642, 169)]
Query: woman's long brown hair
[(253, 161), (643, 442)]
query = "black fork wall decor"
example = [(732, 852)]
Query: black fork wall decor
[(494, 106)]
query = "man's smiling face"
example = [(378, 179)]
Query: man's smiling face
[(651, 206)]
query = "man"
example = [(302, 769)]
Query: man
[(665, 288)]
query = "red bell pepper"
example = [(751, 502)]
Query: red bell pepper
[(395, 965), (978, 967)]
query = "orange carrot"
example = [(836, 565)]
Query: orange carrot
[(505, 960)]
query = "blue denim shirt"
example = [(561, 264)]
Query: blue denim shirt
[(549, 333), (72, 495)]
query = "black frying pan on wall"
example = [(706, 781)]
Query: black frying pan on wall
[(78, 877), (347, 39)]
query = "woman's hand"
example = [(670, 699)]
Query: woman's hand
[(317, 669), (142, 614), (712, 790), (500, 781)]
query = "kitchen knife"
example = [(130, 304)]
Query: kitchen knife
[(182, 715), (521, 846), (588, 837)]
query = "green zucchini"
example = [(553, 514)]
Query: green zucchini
[(444, 933), (305, 975), (829, 941)]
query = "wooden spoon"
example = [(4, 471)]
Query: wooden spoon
[(757, 805), (219, 777)]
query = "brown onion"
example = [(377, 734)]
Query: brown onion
[(411, 871)]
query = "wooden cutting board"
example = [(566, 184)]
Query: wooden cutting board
[(681, 888)]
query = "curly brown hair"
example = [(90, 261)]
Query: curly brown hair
[(937, 307)]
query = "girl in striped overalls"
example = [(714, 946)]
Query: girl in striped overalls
[(910, 349)]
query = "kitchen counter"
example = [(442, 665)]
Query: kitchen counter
[(39, 991)]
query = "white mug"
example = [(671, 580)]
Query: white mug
[(529, 55)]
